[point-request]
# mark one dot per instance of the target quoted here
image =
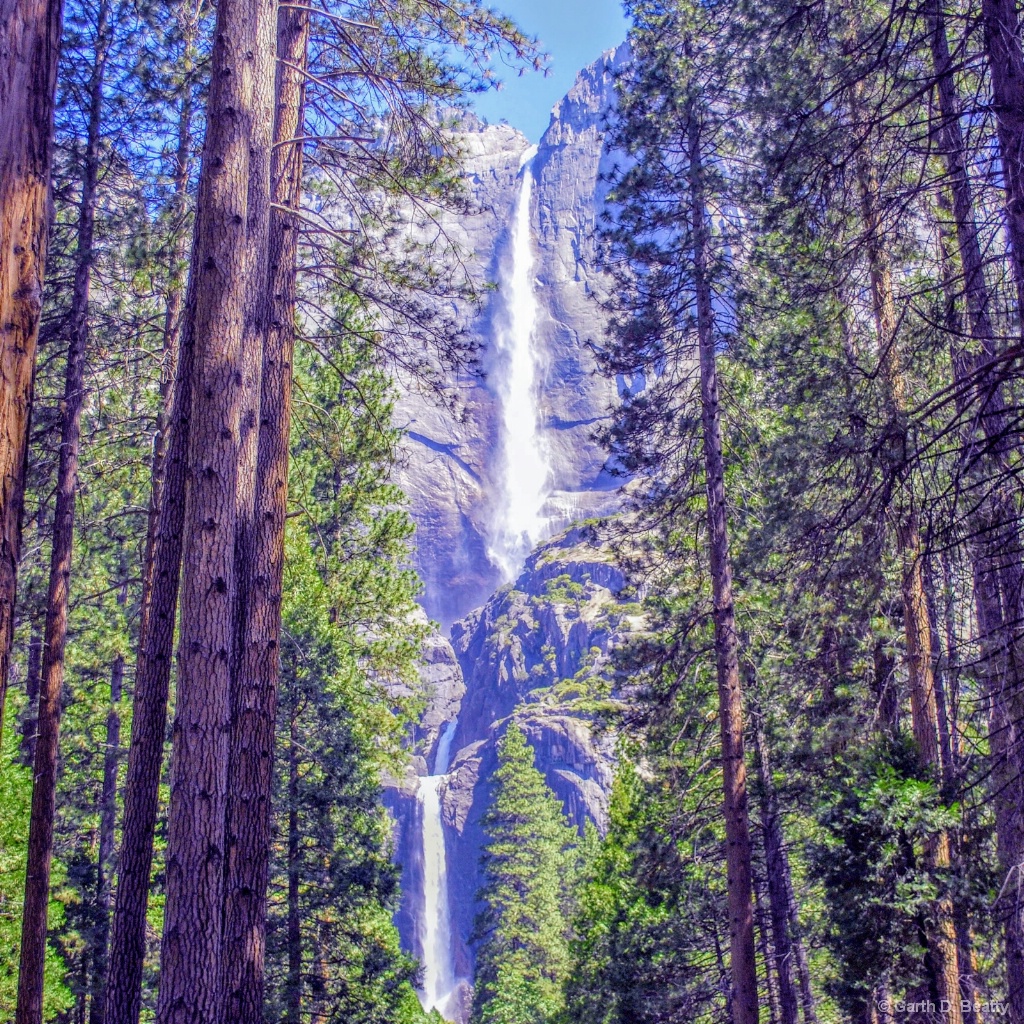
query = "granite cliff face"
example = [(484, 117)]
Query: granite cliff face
[(452, 457), (536, 650), (537, 653)]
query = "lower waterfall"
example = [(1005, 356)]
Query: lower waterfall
[(436, 923)]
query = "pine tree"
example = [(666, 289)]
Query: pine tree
[(675, 270), (523, 956), (332, 950)]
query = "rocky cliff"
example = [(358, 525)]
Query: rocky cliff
[(539, 652), (452, 453), (536, 650)]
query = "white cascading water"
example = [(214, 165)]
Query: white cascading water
[(436, 924), (519, 522)]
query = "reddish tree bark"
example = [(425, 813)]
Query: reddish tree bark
[(44, 787), (30, 33)]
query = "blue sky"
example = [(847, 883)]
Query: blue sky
[(573, 33)]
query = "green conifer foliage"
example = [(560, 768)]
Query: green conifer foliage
[(333, 953), (524, 956)]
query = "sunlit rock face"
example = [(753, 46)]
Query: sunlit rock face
[(456, 467), (539, 653), (494, 478)]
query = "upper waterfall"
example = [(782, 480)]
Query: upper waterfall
[(518, 521), (516, 455)]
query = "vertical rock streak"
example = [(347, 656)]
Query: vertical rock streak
[(519, 523)]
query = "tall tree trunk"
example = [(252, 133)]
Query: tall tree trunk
[(172, 324), (255, 327), (996, 551), (253, 725), (944, 672), (1006, 66), (44, 788), (243, 940), (1003, 737), (253, 334), (954, 155), (807, 1005), (942, 944), (161, 576), (35, 667), (105, 865), (768, 954), (293, 1000), (30, 32), (190, 975), (777, 870), (744, 1000)]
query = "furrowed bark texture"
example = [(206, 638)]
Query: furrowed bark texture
[(44, 786), (242, 990), (744, 1001), (1006, 66), (254, 322), (252, 741), (190, 991), (162, 572), (30, 32)]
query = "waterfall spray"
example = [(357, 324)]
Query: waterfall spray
[(519, 522)]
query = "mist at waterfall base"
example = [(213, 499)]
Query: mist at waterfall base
[(436, 925), (518, 523)]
